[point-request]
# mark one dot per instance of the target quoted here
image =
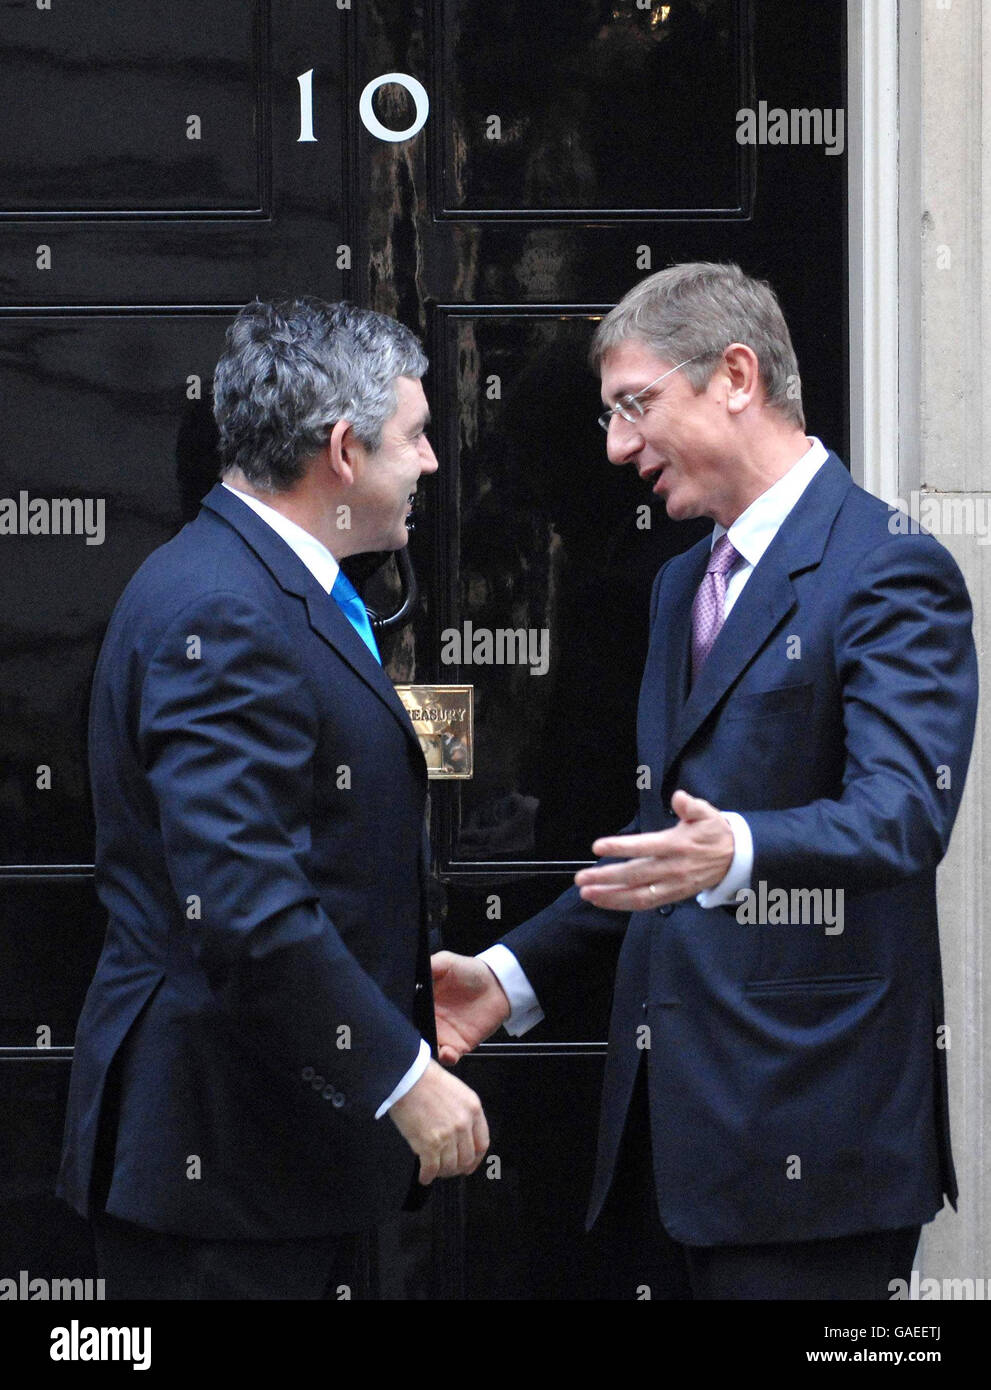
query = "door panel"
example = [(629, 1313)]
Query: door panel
[(96, 114), (97, 165), (121, 445), (600, 109), (53, 928)]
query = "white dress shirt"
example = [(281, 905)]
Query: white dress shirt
[(750, 534), (324, 568)]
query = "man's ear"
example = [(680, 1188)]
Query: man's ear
[(345, 452), (743, 372)]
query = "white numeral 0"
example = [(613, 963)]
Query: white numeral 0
[(416, 90)]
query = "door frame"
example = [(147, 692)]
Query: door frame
[(884, 146)]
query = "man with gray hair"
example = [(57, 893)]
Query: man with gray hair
[(774, 1110), (253, 1079)]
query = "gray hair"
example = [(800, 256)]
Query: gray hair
[(696, 310), (290, 371)]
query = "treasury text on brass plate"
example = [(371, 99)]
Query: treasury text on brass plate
[(442, 718)]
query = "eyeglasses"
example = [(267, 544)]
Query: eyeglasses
[(629, 407)]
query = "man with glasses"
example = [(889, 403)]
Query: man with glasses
[(775, 1097)]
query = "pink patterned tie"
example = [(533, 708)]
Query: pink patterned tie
[(710, 600)]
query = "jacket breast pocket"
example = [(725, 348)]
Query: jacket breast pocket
[(762, 704)]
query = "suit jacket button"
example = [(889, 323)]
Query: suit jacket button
[(419, 986), (666, 910), (328, 1093), (317, 1083), (308, 1073), (337, 1100)]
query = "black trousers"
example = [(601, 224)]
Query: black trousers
[(858, 1267), (142, 1264)]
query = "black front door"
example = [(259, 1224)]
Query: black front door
[(497, 177)]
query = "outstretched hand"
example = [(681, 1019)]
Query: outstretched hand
[(662, 866), (469, 1003)]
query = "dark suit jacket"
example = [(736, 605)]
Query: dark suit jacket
[(775, 1043), (259, 795)]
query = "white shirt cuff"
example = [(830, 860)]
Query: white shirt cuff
[(409, 1080), (738, 874), (524, 1009)]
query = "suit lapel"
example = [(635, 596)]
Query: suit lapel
[(326, 618), (768, 597), (665, 677), (669, 659), (329, 622)]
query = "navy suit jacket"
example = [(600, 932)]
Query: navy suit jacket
[(259, 794), (796, 1079)]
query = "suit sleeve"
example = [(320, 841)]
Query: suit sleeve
[(907, 669), (227, 730), (571, 947)]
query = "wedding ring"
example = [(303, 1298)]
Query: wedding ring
[(651, 889)]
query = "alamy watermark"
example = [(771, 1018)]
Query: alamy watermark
[(799, 125), (83, 1343), (952, 1290), (26, 1288), (25, 515), (501, 646), (782, 907), (941, 515)]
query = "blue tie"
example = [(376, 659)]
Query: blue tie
[(347, 597)]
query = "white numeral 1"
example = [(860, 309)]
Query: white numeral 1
[(305, 80)]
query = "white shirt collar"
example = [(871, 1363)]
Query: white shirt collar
[(313, 553), (754, 530)]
